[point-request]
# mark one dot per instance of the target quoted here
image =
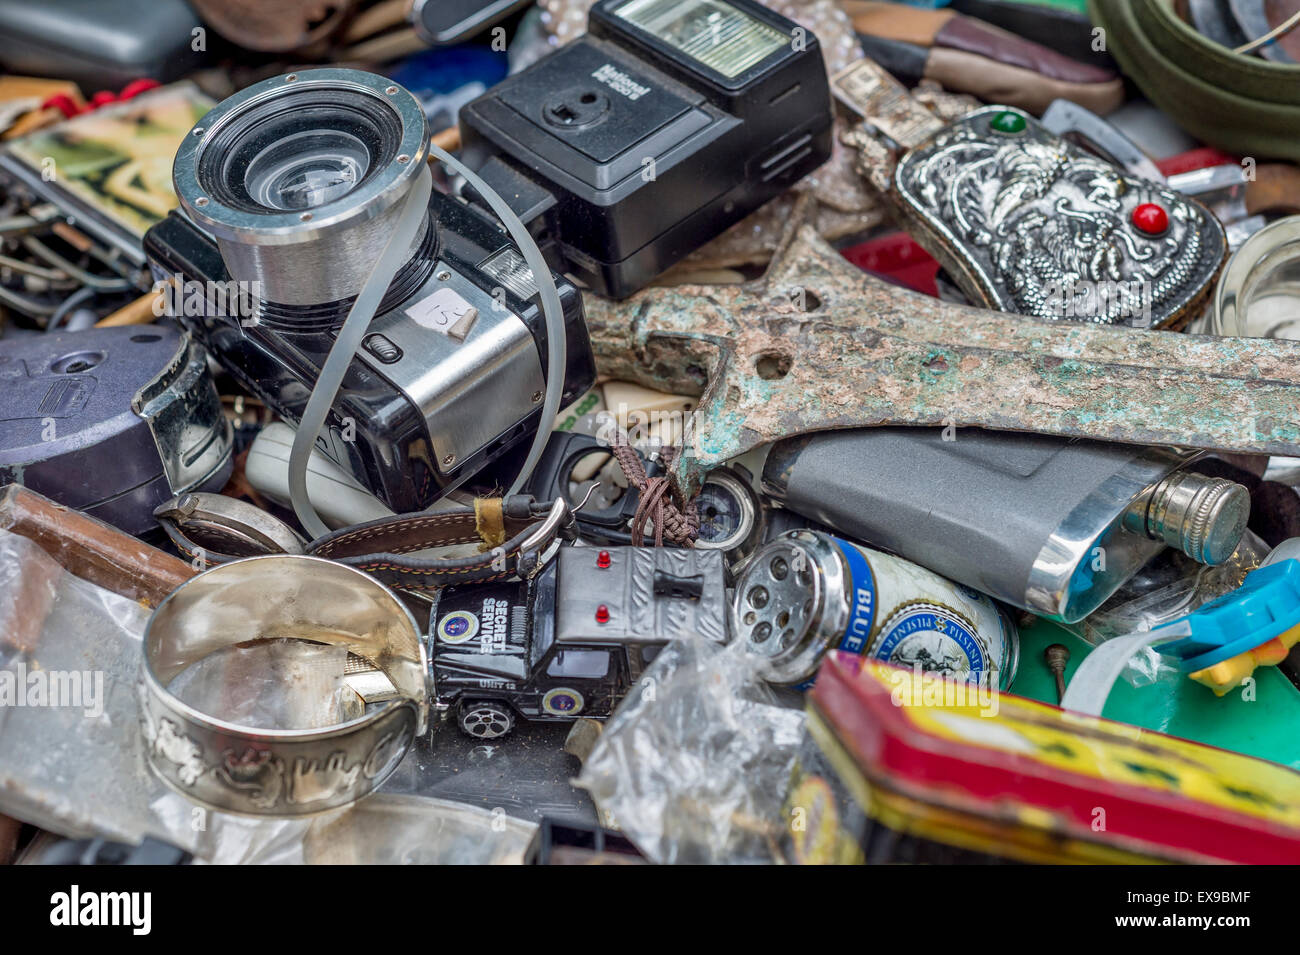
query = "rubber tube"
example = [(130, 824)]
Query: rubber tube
[(349, 339)]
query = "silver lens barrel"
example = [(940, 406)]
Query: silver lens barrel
[(300, 178)]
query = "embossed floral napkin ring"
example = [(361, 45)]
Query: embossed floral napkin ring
[(274, 772)]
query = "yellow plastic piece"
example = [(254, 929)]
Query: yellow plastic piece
[(1232, 672)]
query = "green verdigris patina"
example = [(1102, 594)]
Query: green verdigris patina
[(818, 344)]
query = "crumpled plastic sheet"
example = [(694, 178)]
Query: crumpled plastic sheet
[(79, 769), (75, 768), (1127, 612), (404, 829), (693, 766)]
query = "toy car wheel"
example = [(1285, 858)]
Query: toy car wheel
[(486, 720)]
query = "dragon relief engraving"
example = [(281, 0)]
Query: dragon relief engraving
[(316, 780), (257, 774), (166, 741), (1049, 228)]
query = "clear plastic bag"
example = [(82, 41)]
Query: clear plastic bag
[(391, 829), (1168, 587), (71, 762), (78, 768), (693, 766)]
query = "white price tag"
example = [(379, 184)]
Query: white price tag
[(444, 311)]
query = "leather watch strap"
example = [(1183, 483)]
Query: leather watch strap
[(212, 546), (383, 548)]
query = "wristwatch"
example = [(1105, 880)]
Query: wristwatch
[(216, 529), (517, 534)]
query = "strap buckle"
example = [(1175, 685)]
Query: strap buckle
[(539, 546)]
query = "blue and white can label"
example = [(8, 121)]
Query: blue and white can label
[(934, 639), (912, 617)]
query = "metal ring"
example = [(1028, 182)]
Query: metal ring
[(268, 772)]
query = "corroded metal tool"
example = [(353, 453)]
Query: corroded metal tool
[(817, 344)]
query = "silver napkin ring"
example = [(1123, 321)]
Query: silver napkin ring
[(261, 772)]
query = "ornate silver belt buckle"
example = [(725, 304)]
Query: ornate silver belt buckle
[(1027, 222)]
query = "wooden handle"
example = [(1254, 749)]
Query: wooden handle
[(91, 549), (139, 312)]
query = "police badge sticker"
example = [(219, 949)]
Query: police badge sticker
[(937, 640), (457, 627), (563, 701)]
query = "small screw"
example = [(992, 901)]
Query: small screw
[(448, 460), (305, 217), (1057, 656), (291, 77), (197, 131), (443, 276), (391, 91), (403, 158), (537, 396), (201, 201)]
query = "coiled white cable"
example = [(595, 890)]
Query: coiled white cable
[(552, 310), (366, 305)]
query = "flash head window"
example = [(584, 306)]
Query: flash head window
[(711, 32)]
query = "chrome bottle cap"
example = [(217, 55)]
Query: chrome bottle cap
[(1204, 517)]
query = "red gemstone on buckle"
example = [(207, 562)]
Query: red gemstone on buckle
[(602, 560), (602, 614), (1150, 218)]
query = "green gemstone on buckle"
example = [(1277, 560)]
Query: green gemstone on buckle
[(1008, 122)]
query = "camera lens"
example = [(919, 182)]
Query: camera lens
[(307, 169), (303, 149), (300, 180)]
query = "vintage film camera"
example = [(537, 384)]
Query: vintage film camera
[(664, 125), (290, 190)]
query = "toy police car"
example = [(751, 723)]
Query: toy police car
[(573, 640)]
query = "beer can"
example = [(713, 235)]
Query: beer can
[(808, 592)]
